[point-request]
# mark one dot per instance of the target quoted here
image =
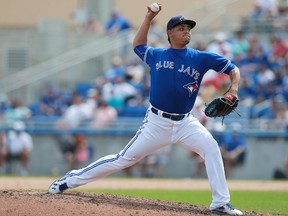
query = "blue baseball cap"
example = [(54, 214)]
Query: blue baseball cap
[(177, 20)]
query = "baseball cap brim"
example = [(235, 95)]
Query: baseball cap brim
[(178, 20), (191, 23)]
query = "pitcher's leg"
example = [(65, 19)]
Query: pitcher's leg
[(152, 135), (216, 175), (98, 169), (134, 151), (197, 138), (142, 144)]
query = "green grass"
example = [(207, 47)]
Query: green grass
[(268, 202)]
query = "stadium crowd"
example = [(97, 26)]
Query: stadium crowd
[(124, 88)]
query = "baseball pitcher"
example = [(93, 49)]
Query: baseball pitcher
[(176, 75)]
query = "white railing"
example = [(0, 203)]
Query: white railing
[(129, 125), (64, 61)]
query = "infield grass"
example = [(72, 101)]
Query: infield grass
[(268, 202)]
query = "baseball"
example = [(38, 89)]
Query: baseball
[(154, 7)]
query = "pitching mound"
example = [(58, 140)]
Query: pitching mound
[(29, 197), (35, 203)]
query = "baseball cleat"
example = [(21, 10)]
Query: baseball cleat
[(58, 186), (227, 209)]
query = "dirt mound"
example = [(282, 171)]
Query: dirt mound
[(35, 203)]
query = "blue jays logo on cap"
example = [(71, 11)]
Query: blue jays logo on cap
[(177, 20)]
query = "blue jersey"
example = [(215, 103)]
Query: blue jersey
[(176, 75)]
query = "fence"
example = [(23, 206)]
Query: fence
[(266, 149)]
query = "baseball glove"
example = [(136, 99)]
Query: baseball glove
[(222, 106)]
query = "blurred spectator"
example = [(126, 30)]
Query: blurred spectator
[(247, 92), (256, 55), (75, 150), (163, 159), (153, 165), (111, 97), (93, 98), (80, 17), (279, 112), (135, 73), (255, 44), (92, 25), (17, 112), (286, 117), (262, 60), (283, 7), (118, 93), (211, 86), (4, 104), (117, 23), (67, 148), (199, 43), (2, 148), (279, 45), (265, 8), (82, 153), (103, 115), (78, 112), (279, 50), (17, 144), (53, 102), (200, 166), (124, 90), (220, 45), (145, 90), (240, 44), (116, 70), (265, 93), (282, 173), (233, 148), (264, 75)]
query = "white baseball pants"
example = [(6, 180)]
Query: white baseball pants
[(157, 132)]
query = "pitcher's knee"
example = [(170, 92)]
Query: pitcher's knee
[(125, 162), (212, 148)]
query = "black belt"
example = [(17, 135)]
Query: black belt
[(170, 116)]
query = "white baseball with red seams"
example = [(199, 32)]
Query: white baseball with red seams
[(154, 7)]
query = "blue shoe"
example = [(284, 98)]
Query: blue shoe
[(58, 186), (227, 209)]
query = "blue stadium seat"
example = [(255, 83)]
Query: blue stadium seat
[(82, 88), (35, 109), (133, 111)]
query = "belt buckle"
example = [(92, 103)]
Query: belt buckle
[(176, 117)]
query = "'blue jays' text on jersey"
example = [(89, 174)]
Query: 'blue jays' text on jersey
[(176, 75)]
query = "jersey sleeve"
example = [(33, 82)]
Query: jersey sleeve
[(219, 63), (145, 53)]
